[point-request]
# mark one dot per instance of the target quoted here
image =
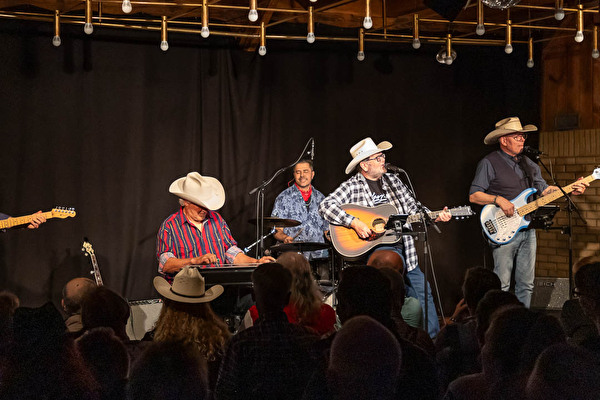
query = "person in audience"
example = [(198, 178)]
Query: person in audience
[(107, 359), (587, 290), (274, 358), (169, 371), (72, 295), (43, 362), (416, 336), (103, 308), (578, 326), (364, 290), (412, 313), (514, 340), (493, 301), (305, 307), (365, 361), (457, 347), (186, 316), (564, 372)]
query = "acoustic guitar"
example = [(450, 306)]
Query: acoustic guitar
[(501, 229), (57, 212), (347, 242)]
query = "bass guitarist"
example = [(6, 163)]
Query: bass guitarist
[(500, 177), (370, 186)]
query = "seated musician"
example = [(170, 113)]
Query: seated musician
[(197, 234), (301, 202), (370, 186)]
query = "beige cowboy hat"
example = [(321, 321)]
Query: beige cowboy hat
[(188, 287), (201, 190), (506, 127), (364, 149)]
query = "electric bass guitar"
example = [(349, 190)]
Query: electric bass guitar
[(501, 229), (347, 242), (89, 251), (57, 212)]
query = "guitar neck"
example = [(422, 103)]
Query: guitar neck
[(411, 219), (550, 197), (96, 270), (26, 219)]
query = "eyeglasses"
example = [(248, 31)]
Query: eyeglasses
[(378, 158), (518, 137)]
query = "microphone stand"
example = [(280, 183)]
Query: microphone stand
[(570, 208), (260, 201), (428, 260)]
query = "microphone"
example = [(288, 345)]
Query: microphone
[(312, 150), (392, 167), (532, 151)]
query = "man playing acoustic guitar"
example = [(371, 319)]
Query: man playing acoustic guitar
[(372, 186), (501, 176)]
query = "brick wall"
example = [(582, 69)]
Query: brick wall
[(572, 154)]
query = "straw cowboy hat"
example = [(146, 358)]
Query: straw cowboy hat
[(201, 190), (506, 127), (188, 287), (364, 149)]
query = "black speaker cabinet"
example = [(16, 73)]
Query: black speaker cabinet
[(550, 293)]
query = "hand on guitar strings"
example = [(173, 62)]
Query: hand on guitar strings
[(38, 219), (361, 229)]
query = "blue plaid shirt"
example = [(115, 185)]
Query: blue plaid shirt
[(356, 191)]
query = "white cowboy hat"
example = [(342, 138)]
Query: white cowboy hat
[(188, 287), (201, 190), (506, 127), (364, 149)]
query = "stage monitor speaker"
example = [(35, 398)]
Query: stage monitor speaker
[(550, 293), (448, 9), (144, 314)]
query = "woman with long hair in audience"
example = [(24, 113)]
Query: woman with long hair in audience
[(306, 306), (187, 317)]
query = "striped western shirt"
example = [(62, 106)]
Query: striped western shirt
[(179, 237)]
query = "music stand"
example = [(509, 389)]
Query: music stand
[(542, 217)]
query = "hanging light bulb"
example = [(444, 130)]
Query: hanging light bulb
[(559, 12), (595, 52), (310, 37), (253, 14), (448, 60), (579, 34), (530, 53), (56, 39), (204, 32), (360, 56), (508, 48), (367, 21), (416, 43), (262, 49), (480, 28), (164, 45), (88, 28), (126, 6)]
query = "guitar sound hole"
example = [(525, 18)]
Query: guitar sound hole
[(379, 225)]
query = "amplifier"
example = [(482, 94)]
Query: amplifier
[(144, 314), (550, 293), (230, 275)]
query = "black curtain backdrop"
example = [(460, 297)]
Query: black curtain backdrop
[(105, 123)]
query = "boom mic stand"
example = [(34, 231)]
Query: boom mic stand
[(260, 201), (570, 208)]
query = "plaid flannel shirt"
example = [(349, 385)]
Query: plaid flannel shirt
[(356, 191)]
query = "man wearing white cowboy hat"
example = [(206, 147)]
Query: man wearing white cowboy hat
[(370, 186), (197, 234), (500, 177)]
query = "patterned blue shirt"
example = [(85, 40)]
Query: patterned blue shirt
[(356, 191), (290, 204)]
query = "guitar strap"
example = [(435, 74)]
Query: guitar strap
[(528, 171)]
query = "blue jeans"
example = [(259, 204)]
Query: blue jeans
[(415, 288), (519, 255)]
